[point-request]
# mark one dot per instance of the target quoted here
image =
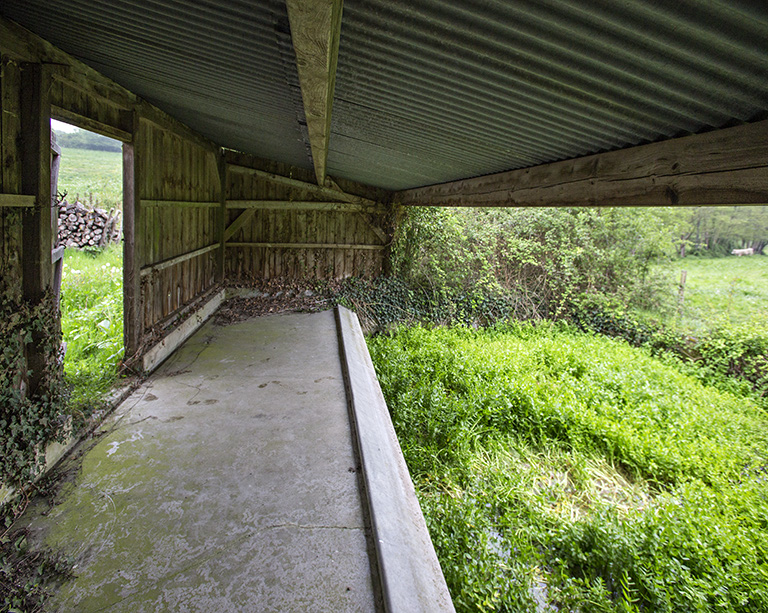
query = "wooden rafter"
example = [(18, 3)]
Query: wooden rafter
[(315, 30), (722, 167), (323, 192)]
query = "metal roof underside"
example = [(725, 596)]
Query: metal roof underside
[(429, 91)]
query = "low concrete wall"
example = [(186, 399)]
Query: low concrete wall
[(162, 350), (411, 577)]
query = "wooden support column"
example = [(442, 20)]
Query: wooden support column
[(315, 31), (132, 262), (221, 218), (36, 180)]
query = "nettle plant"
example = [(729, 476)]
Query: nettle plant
[(29, 418)]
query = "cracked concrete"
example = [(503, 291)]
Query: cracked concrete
[(227, 482)]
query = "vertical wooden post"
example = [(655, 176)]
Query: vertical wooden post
[(222, 218), (132, 320), (36, 179), (681, 292)]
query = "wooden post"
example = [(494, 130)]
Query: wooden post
[(36, 179), (681, 292), (37, 269), (132, 321), (221, 218)]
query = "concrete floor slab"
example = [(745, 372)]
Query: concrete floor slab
[(228, 482)]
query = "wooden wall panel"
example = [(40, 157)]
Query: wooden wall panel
[(10, 175), (180, 195), (268, 246)]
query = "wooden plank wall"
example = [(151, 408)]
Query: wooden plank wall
[(10, 175), (179, 214), (248, 261)]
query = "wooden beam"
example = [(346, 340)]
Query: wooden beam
[(308, 246), (17, 201), (36, 178), (148, 270), (722, 167), (236, 225), (132, 219), (90, 124), (324, 192), (315, 31), (304, 205), (221, 217), (180, 203), (37, 231)]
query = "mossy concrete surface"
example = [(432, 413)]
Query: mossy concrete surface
[(226, 483)]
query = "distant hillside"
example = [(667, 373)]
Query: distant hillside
[(82, 139)]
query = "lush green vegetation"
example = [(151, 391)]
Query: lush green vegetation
[(96, 177), (730, 290), (556, 468), (559, 468), (92, 323)]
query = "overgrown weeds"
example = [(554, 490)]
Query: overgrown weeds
[(559, 469)]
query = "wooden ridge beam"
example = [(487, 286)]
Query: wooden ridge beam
[(315, 31), (722, 167)]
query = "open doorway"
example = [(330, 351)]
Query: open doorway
[(90, 212)]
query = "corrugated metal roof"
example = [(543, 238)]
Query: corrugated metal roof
[(224, 67), (431, 90)]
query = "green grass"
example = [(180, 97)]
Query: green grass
[(97, 176), (92, 322), (560, 469), (723, 290)]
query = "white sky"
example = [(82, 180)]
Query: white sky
[(62, 127)]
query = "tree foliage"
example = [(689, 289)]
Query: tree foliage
[(83, 139), (540, 258)]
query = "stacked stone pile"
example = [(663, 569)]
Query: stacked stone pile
[(80, 226)]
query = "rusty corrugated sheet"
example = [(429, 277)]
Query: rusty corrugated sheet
[(431, 90)]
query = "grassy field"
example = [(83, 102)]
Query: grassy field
[(92, 322), (731, 289), (97, 176), (565, 471)]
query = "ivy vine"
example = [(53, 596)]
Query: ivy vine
[(29, 418)]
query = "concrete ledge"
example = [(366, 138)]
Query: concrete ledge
[(160, 352), (410, 575)]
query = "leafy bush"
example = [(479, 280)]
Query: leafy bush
[(539, 259), (732, 357), (559, 468)]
